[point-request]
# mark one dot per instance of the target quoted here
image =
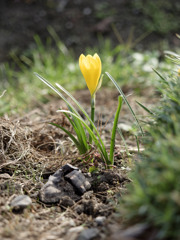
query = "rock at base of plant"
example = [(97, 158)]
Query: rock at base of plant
[(67, 182), (20, 202)]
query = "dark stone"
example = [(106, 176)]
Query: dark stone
[(78, 180), (68, 168), (20, 202), (65, 182)]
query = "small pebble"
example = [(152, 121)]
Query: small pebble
[(100, 220), (20, 202), (5, 176), (124, 127)]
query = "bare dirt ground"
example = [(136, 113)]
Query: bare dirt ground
[(32, 150)]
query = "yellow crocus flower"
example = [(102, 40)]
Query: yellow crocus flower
[(91, 69), (179, 72)]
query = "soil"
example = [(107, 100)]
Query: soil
[(32, 150)]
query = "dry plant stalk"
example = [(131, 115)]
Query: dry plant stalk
[(14, 142)]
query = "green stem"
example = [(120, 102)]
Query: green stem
[(111, 156), (92, 115)]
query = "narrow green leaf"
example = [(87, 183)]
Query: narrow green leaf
[(126, 101), (68, 133), (56, 91), (173, 56), (111, 156), (2, 93), (145, 108), (137, 142), (79, 130), (164, 80), (74, 100)]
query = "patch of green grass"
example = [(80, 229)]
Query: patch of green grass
[(104, 10), (154, 194), (159, 16), (57, 64), (60, 65)]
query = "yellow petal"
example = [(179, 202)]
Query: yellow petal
[(91, 69)]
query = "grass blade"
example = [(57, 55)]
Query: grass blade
[(164, 80), (145, 108), (2, 94), (111, 156), (79, 130), (56, 91), (126, 101), (68, 133), (74, 100), (137, 142)]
